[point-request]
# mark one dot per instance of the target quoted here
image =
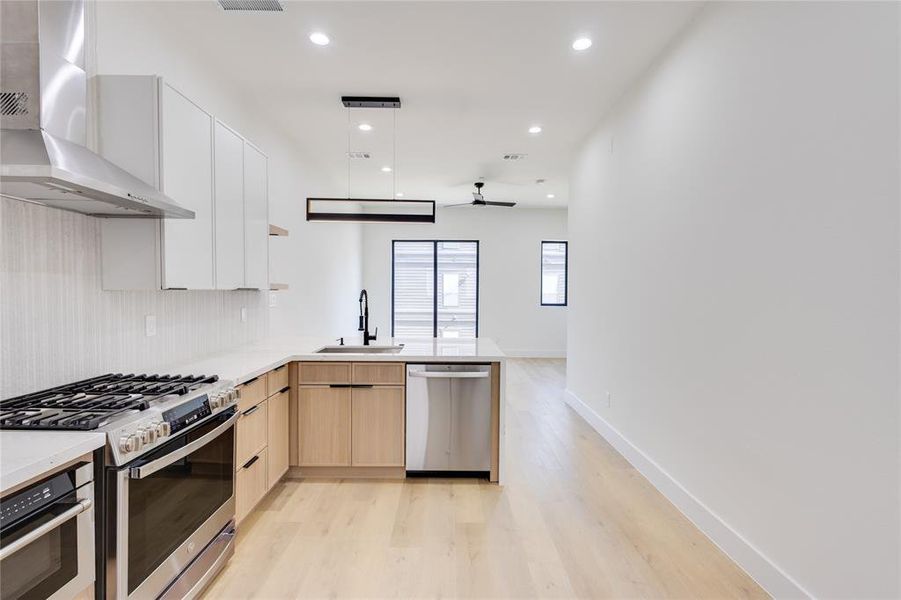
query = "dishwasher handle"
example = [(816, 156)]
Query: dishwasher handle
[(450, 374)]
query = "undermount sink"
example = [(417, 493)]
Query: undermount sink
[(360, 349)]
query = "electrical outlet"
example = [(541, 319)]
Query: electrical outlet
[(273, 299), (243, 314), (609, 399), (150, 325)]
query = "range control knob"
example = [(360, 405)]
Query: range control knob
[(162, 429), (146, 435), (128, 443), (216, 400), (233, 395)]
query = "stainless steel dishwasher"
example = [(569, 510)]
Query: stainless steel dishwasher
[(449, 419)]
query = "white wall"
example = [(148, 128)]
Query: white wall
[(734, 230), (509, 272)]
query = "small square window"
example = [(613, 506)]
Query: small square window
[(554, 273)]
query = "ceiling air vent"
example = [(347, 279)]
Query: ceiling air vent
[(252, 5), (13, 104), (514, 156), (358, 155)]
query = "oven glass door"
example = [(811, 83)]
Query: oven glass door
[(166, 507), (60, 559)]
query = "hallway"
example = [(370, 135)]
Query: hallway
[(573, 520)]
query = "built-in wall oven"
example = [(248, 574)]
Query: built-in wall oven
[(47, 537), (170, 524)]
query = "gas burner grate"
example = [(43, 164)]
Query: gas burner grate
[(91, 403)]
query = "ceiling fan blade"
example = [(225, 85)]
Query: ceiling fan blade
[(507, 204), (454, 205)]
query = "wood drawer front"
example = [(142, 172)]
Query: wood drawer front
[(323, 426), (252, 433), (277, 447), (277, 380), (378, 373), (251, 483), (323, 372), (252, 393), (378, 427)]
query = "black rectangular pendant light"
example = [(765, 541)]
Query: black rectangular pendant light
[(370, 210), (370, 101)]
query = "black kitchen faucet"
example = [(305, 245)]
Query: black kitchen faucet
[(364, 319)]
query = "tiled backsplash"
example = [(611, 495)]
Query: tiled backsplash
[(57, 325)]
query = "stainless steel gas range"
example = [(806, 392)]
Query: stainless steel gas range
[(165, 495)]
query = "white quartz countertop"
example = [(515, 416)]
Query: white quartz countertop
[(252, 360), (28, 454)]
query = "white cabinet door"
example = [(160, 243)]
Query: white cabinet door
[(256, 218), (229, 205), (187, 176)]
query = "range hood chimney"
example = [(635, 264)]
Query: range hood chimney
[(43, 97)]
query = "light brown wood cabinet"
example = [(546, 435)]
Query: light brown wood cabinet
[(261, 444), (277, 380), (252, 432), (323, 425), (378, 426), (350, 414), (251, 484), (279, 424)]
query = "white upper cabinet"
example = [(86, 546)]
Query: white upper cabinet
[(256, 218), (229, 192), (187, 177), (151, 129)]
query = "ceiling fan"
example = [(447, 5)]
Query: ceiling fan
[(479, 200)]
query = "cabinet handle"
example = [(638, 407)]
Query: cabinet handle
[(279, 368), (284, 389), (339, 385), (250, 411), (250, 462)]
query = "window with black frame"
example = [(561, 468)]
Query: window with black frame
[(435, 288), (554, 273)]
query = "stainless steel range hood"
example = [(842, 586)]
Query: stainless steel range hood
[(43, 97)]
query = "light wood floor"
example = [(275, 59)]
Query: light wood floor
[(573, 520)]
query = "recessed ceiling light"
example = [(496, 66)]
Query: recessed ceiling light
[(582, 44), (535, 129), (386, 169), (399, 194), (364, 127), (550, 195), (319, 38)]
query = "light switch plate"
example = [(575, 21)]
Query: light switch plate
[(243, 314), (273, 299), (150, 325)]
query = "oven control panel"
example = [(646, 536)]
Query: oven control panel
[(157, 424)]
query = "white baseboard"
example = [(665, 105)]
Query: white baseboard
[(770, 577), (535, 353)]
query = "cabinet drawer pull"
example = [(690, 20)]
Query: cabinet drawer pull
[(250, 410), (279, 368), (250, 462), (249, 381), (339, 385), (284, 389)]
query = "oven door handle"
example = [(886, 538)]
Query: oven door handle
[(161, 463), (13, 547)]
